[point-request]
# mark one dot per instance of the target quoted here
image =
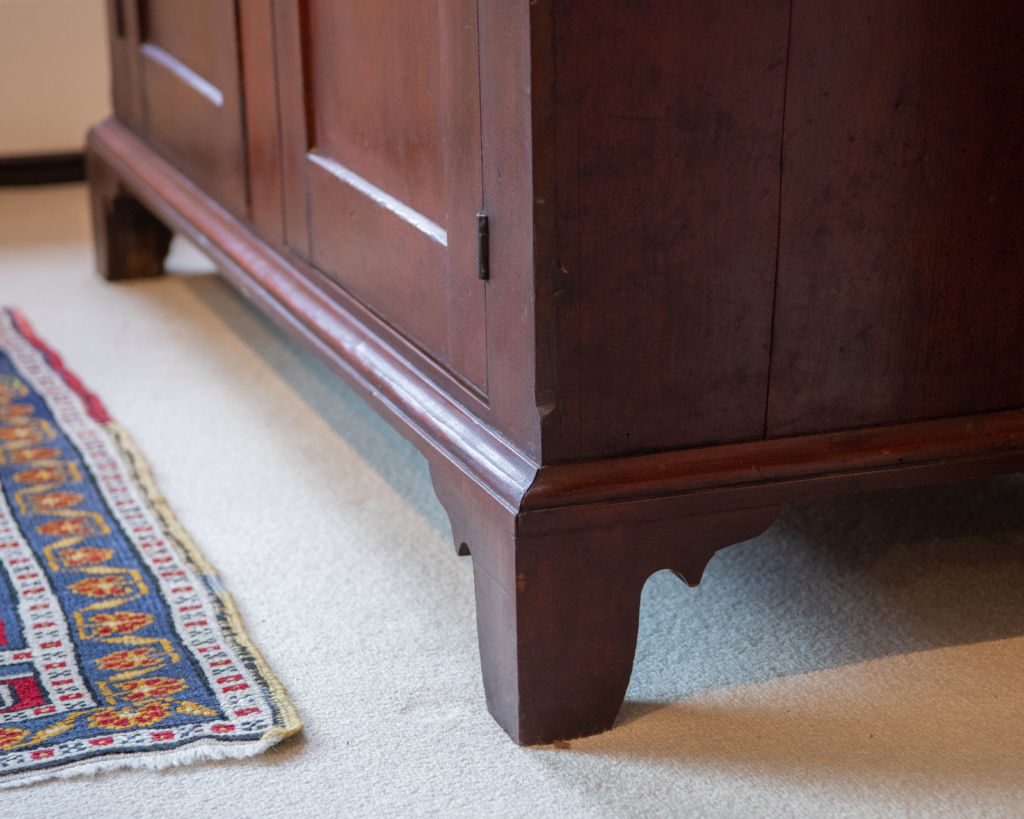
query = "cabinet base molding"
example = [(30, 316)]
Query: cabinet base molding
[(560, 551)]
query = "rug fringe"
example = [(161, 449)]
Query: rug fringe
[(202, 751), (287, 713)]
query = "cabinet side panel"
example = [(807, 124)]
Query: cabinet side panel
[(899, 292), (680, 134)]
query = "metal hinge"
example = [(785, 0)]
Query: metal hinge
[(483, 246)]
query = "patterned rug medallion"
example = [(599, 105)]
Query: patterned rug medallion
[(118, 645)]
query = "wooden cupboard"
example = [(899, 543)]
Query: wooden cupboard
[(630, 275)]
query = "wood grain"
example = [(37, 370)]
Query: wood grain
[(344, 334), (388, 171), (595, 412), (899, 292), (295, 139), (130, 242), (557, 614), (123, 28), (680, 135), (204, 139), (262, 130), (506, 121)]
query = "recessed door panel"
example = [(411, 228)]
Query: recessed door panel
[(388, 261), (378, 88), (188, 54), (390, 169)]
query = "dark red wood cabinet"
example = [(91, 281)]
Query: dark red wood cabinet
[(630, 275)]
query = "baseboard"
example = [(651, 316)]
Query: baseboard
[(47, 169)]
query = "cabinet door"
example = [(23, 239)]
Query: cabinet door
[(381, 119), (188, 73), (899, 290)]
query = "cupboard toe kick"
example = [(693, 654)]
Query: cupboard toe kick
[(629, 278)]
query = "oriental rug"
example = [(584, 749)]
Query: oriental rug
[(118, 645)]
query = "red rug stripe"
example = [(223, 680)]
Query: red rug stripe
[(93, 405)]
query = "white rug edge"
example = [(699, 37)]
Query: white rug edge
[(204, 750)]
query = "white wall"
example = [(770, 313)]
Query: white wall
[(54, 74)]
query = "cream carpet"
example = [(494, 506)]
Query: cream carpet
[(865, 657)]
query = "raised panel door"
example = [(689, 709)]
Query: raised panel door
[(188, 66), (382, 116)]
